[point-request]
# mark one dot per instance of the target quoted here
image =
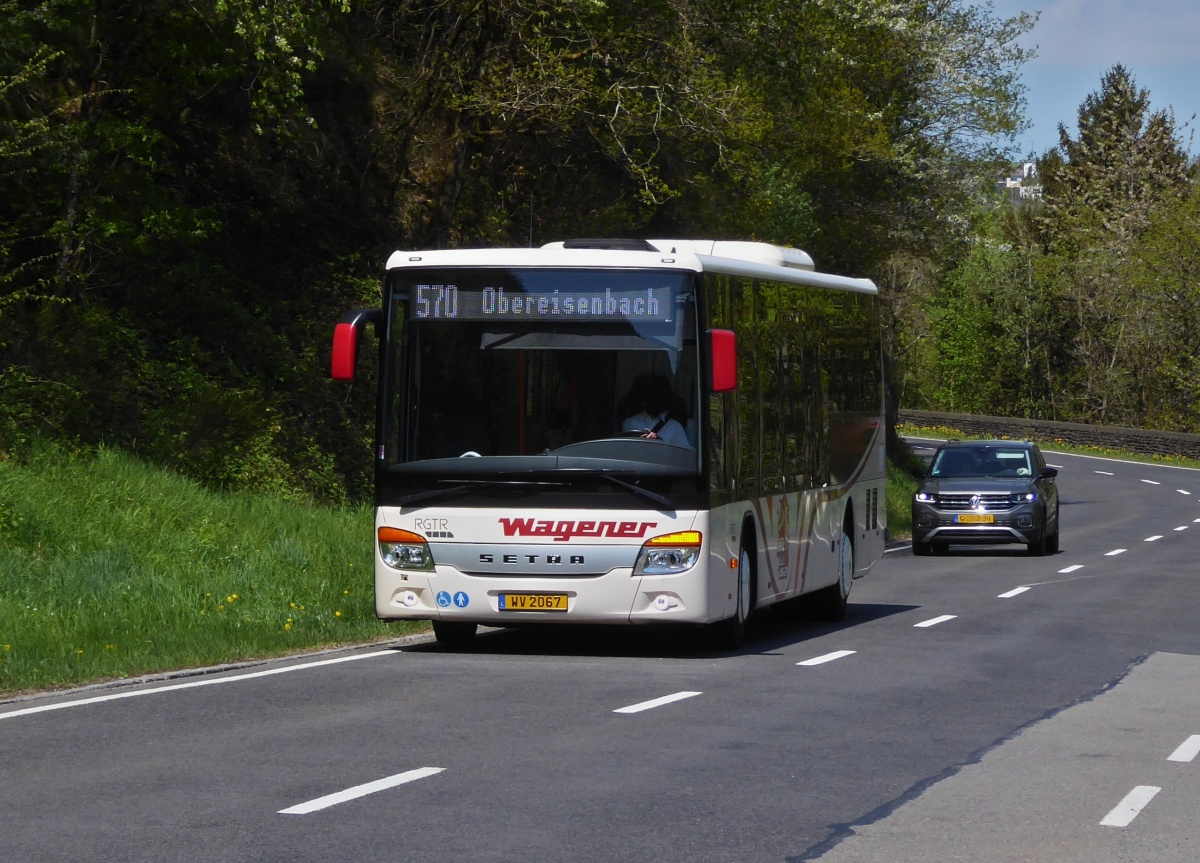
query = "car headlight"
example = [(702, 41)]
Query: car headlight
[(925, 497), (669, 554), (403, 549), (1023, 497)]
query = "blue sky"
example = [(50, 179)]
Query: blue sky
[(1077, 41)]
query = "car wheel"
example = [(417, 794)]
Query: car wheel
[(921, 549), (941, 547), (1038, 549), (1052, 542), (454, 633)]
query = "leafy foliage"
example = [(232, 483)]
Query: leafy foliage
[(194, 193)]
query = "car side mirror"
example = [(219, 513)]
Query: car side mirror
[(1049, 472)]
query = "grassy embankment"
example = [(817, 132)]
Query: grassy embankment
[(110, 568)]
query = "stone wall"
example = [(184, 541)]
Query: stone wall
[(1044, 432)]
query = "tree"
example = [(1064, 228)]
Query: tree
[(1102, 190)]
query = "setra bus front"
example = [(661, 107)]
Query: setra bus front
[(541, 454)]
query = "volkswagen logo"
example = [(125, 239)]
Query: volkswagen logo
[(974, 501)]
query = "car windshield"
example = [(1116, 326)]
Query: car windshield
[(981, 461)]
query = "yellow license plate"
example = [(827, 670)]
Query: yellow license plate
[(533, 602), (975, 519)]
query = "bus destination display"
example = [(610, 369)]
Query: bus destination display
[(451, 302)]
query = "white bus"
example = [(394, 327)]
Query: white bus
[(622, 432)]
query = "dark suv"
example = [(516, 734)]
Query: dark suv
[(986, 492)]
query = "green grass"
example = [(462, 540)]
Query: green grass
[(901, 486), (110, 568)]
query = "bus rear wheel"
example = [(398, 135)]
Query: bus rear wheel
[(454, 633), (829, 603)]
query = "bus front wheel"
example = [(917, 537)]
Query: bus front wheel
[(727, 634)]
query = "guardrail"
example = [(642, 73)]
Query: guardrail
[(1132, 440)]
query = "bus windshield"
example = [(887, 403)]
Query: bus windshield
[(579, 364)]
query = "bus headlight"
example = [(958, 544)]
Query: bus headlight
[(403, 549), (669, 554)]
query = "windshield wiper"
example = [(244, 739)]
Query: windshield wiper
[(653, 497), (466, 484)]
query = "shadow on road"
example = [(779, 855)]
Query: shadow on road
[(769, 631)]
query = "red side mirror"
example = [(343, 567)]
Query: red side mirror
[(722, 351), (345, 341), (345, 352)]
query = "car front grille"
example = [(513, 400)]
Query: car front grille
[(967, 502)]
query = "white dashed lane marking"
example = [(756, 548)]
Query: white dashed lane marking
[(1182, 491), (1154, 538), (1071, 568), (1182, 527), (1115, 552), (1105, 473), (656, 702), (1187, 750), (1151, 482), (828, 657), (1135, 801), (1016, 591), (360, 791), (934, 621)]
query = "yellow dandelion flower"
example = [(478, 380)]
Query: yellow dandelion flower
[(337, 614), (345, 593), (235, 596), (220, 608), (288, 626), (291, 605), (78, 652), (110, 647), (8, 647)]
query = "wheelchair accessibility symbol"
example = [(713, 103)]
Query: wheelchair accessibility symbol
[(443, 599)]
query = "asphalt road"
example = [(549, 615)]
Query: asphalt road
[(952, 716)]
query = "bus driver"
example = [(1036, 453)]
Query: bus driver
[(654, 418)]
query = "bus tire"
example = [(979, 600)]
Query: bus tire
[(454, 633), (727, 634), (829, 603)]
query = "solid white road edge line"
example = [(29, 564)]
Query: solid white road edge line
[(828, 657), (360, 791), (193, 684), (1135, 801), (656, 702), (1187, 750), (934, 621), (1016, 591)]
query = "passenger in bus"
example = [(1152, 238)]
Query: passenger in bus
[(654, 419)]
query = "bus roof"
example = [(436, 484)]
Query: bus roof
[(727, 257)]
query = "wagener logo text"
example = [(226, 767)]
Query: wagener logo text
[(562, 531)]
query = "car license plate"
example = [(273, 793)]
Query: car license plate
[(533, 602), (975, 519)]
